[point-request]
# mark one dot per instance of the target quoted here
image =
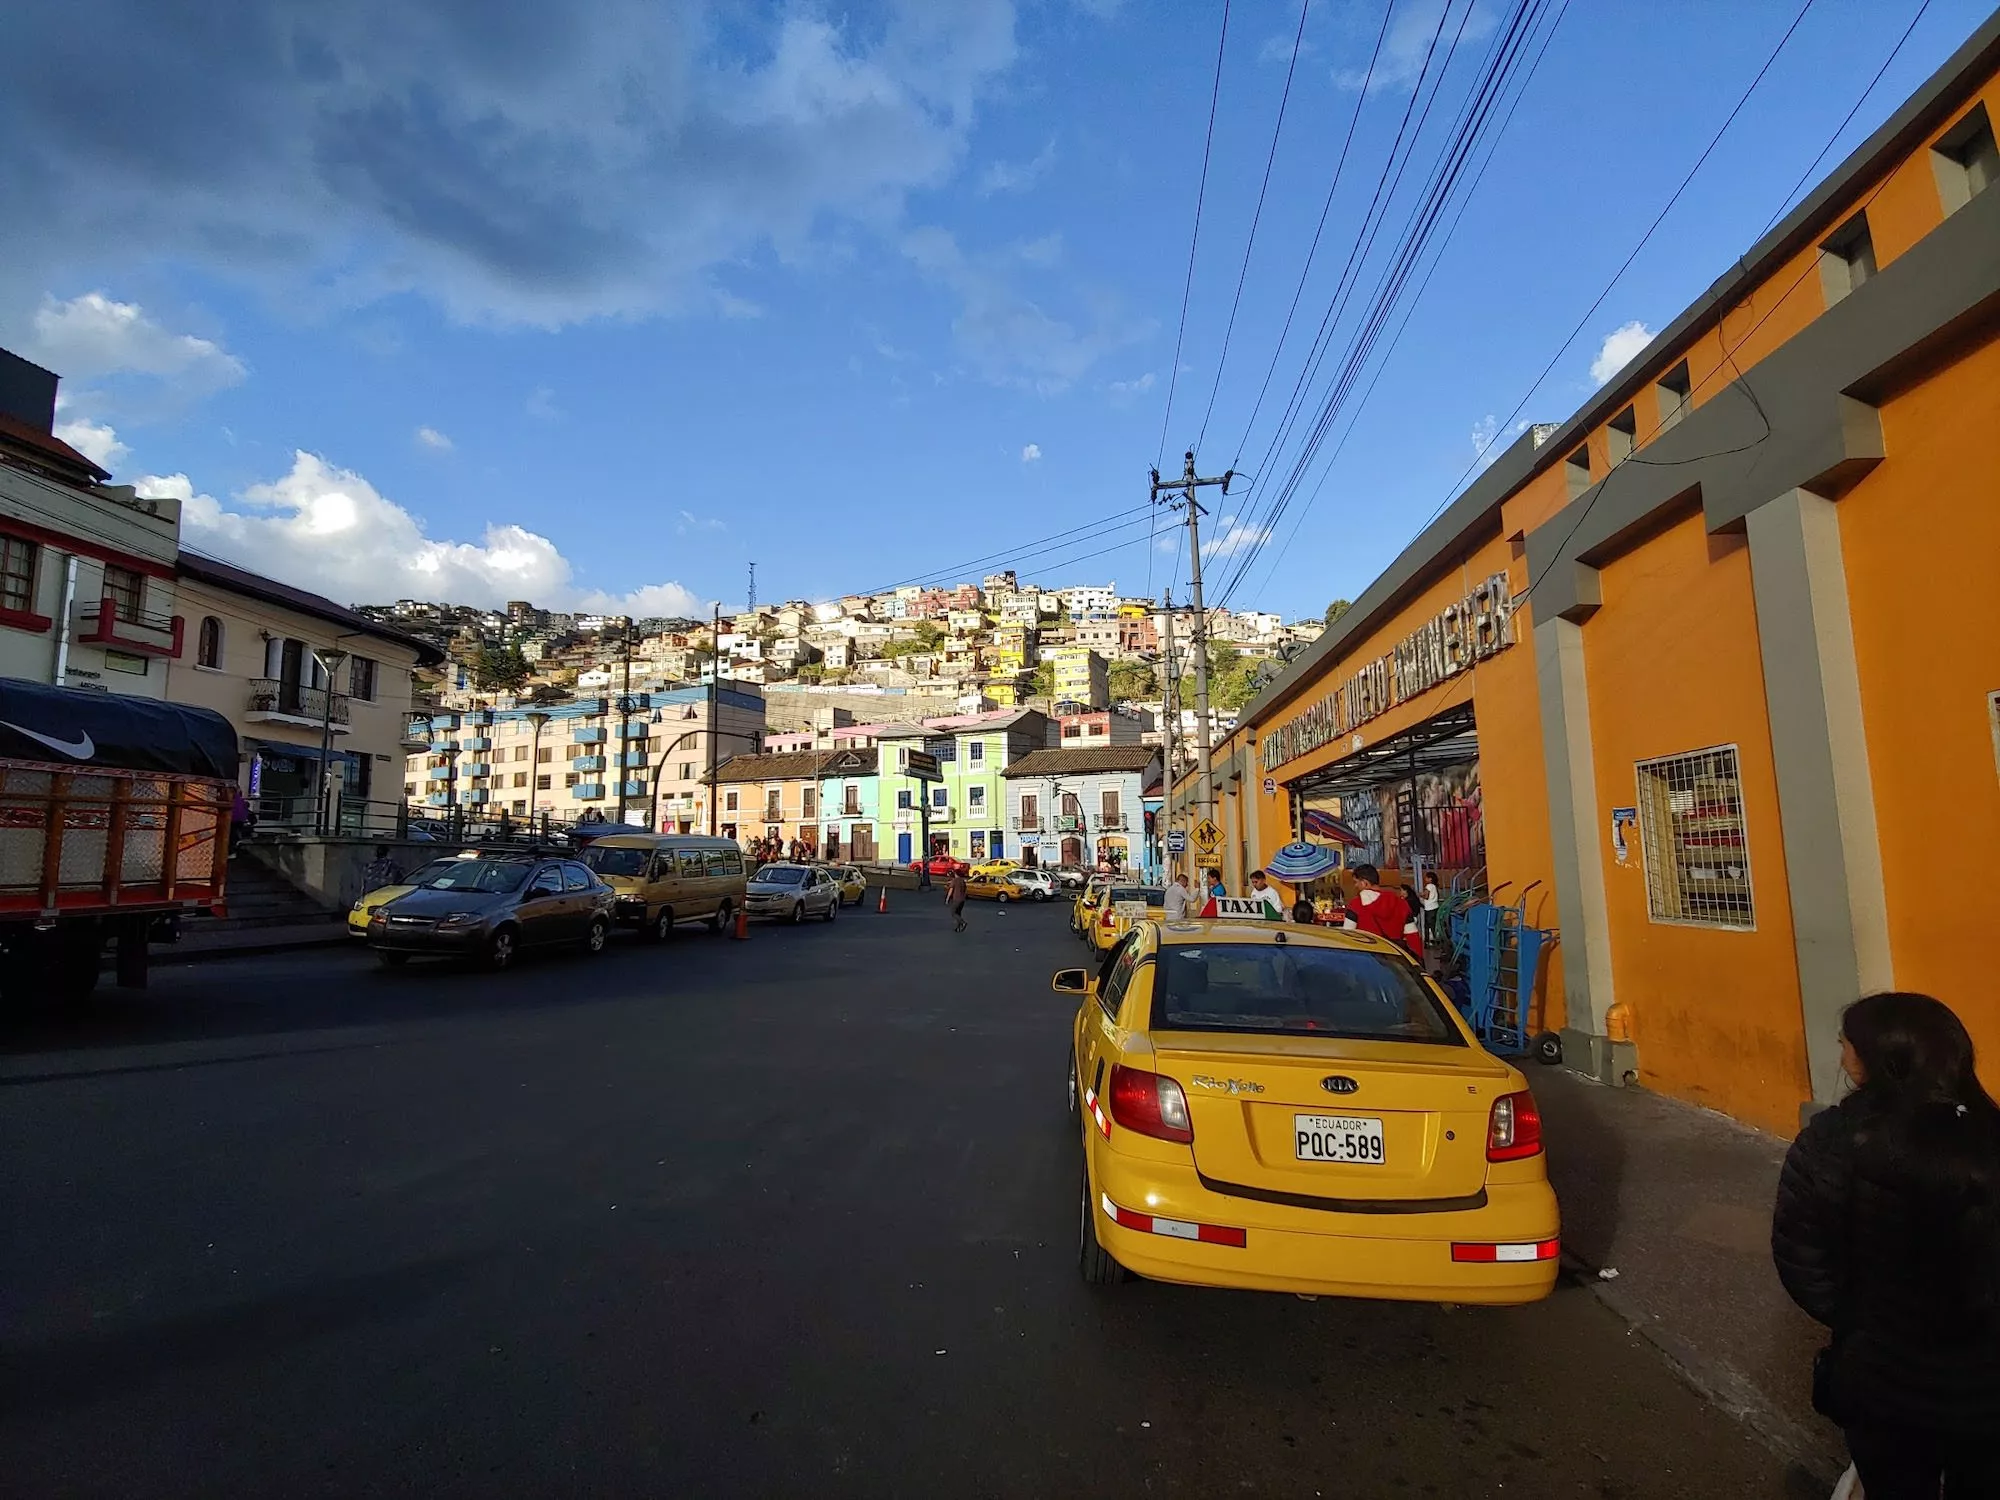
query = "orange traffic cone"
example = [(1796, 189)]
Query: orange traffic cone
[(742, 925), (882, 904)]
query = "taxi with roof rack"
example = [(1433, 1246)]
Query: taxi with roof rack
[(1296, 1109)]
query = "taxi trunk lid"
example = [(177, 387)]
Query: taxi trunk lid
[(1251, 1097)]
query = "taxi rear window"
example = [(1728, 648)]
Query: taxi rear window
[(1296, 990), (1152, 895)]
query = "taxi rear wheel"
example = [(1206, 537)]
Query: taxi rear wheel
[(1092, 1259)]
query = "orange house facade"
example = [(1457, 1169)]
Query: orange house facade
[(1709, 674)]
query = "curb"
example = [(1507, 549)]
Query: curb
[(1715, 1382)]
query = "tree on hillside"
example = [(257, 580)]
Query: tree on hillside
[(929, 633), (1132, 679), (500, 669), (1043, 682), (1336, 609)]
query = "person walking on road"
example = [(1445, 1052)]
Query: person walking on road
[(1180, 900), (954, 898), (1383, 911), (1887, 1230)]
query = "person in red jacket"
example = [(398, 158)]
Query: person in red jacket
[(1383, 911)]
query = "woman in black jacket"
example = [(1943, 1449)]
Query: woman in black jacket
[(1888, 1231)]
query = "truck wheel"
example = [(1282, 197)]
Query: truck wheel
[(1549, 1048)]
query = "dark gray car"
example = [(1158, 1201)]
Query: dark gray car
[(491, 909), (792, 893)]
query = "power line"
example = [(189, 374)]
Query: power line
[(1626, 264), (1256, 216), (1495, 79), (1194, 239), (1133, 513)]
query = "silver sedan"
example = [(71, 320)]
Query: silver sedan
[(791, 893)]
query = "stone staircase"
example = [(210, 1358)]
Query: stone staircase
[(257, 897)]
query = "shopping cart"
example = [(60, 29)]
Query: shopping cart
[(1503, 957)]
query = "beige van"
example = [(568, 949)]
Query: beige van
[(663, 879)]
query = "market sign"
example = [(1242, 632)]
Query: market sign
[(1466, 631)]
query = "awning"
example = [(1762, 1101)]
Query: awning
[(1448, 739), (309, 753)]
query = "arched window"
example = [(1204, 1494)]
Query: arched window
[(208, 648)]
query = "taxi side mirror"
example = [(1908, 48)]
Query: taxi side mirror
[(1070, 981)]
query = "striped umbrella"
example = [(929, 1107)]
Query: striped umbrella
[(1323, 824), (1300, 862)]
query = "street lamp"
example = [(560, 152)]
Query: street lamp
[(537, 717), (330, 662)]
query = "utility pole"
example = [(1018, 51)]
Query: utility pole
[(1181, 495), (1171, 715), (624, 719), (714, 708)]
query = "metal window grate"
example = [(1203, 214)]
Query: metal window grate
[(1694, 840)]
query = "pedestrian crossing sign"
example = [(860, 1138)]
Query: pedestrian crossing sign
[(1207, 837)]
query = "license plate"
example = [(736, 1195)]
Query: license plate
[(1352, 1139)]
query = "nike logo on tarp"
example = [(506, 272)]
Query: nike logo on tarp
[(77, 749)]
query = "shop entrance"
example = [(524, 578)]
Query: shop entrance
[(1412, 796)]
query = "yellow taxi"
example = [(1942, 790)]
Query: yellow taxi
[(358, 915), (1121, 907), (853, 884), (1083, 911), (1295, 1109), (996, 868)]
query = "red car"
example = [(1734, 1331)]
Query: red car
[(940, 864)]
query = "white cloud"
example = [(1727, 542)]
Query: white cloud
[(1278, 49), (91, 336), (1410, 40), (1620, 347), (1016, 177), (94, 440), (328, 529), (510, 161), (1484, 431), (430, 437), (541, 404), (1006, 334), (1032, 453), (1235, 536), (1126, 391), (690, 522)]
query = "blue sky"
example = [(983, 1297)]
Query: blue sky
[(597, 303)]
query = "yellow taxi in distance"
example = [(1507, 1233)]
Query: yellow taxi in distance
[(1084, 911), (853, 884), (996, 868), (359, 914), (992, 885), (1298, 1109), (1122, 906)]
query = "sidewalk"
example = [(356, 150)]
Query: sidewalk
[(198, 945), (1678, 1201)]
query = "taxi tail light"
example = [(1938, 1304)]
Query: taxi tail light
[(1515, 1129), (1504, 1254), (1150, 1104)]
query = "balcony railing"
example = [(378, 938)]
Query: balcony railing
[(589, 791), (587, 763), (439, 773), (110, 622), (476, 768), (1026, 825), (477, 742), (1069, 823), (587, 736), (292, 703)]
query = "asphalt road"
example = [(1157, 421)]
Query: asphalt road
[(794, 1217)]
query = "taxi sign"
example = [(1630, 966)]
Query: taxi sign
[(1207, 837), (1251, 908)]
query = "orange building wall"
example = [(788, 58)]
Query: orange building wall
[(1921, 542), (1673, 665)]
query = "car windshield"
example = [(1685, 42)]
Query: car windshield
[(484, 875), (430, 872), (617, 861), (1152, 895), (781, 875), (1297, 990)]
